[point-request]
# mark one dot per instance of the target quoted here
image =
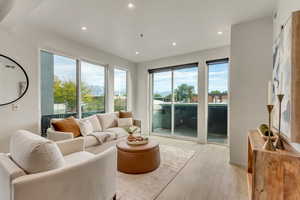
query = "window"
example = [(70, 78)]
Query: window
[(60, 88), (92, 89), (217, 101), (120, 90), (175, 100)]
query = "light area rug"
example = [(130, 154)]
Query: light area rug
[(149, 186)]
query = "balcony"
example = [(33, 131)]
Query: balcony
[(185, 121)]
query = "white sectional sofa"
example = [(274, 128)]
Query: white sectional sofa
[(40, 169), (107, 124)]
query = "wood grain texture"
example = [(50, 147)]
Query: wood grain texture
[(272, 175), (295, 93)]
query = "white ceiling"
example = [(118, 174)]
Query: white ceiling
[(112, 27)]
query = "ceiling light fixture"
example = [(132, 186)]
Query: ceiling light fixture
[(84, 28), (174, 44), (220, 33), (137, 53), (131, 5)]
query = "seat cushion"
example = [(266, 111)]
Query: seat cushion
[(90, 141), (108, 120), (98, 138), (120, 132), (67, 125), (78, 157), (34, 153), (95, 123)]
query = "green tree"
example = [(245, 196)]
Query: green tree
[(215, 92), (184, 93), (65, 93)]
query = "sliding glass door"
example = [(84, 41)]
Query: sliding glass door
[(175, 100), (162, 103), (217, 101)]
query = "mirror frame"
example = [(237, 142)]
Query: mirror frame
[(26, 76)]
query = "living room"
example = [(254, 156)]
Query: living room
[(164, 100)]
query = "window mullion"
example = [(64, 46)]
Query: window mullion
[(78, 88)]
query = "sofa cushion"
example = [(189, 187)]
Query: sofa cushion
[(108, 120), (34, 153), (123, 114), (120, 132), (86, 127), (67, 125), (95, 123), (78, 157), (125, 122), (90, 141), (98, 138)]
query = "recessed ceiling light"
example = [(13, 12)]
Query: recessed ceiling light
[(137, 53), (220, 33), (84, 28), (174, 43), (131, 5)]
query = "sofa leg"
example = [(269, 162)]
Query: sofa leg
[(115, 197)]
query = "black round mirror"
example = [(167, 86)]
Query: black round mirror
[(13, 81)]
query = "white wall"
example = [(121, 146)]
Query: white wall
[(284, 11), (142, 104), (251, 69), (23, 44)]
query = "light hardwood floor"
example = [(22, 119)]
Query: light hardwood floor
[(208, 176)]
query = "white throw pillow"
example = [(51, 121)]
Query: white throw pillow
[(95, 123), (86, 127), (34, 153), (108, 120), (125, 122)]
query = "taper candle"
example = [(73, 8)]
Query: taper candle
[(270, 93)]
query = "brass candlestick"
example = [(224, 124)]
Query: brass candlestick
[(279, 140), (269, 144)]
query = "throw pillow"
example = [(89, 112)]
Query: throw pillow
[(125, 122), (95, 123), (123, 114), (108, 120), (67, 125), (34, 153), (86, 127)]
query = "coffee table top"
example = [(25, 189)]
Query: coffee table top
[(136, 148)]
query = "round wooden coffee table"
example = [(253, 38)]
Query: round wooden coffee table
[(138, 159)]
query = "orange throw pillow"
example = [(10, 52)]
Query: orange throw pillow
[(67, 125), (125, 114)]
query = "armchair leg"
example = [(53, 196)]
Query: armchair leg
[(115, 197)]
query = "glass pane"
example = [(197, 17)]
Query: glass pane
[(185, 120), (162, 109), (92, 89), (120, 90), (186, 101), (217, 102), (186, 85), (58, 88), (64, 86)]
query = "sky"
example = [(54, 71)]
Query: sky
[(217, 76), (91, 74)]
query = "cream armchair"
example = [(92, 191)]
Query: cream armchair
[(84, 176)]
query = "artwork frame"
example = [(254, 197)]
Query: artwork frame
[(286, 64)]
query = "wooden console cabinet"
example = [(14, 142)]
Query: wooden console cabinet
[(272, 175)]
